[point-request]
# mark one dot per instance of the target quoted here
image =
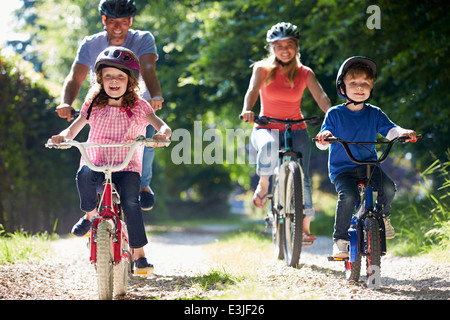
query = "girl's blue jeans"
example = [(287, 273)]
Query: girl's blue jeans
[(346, 185), (89, 183), (267, 143)]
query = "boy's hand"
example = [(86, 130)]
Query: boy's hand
[(322, 136), (411, 134)]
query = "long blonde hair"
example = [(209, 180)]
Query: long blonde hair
[(271, 64)]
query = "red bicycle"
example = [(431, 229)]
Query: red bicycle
[(109, 247)]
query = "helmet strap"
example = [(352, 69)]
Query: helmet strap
[(283, 64), (102, 92)]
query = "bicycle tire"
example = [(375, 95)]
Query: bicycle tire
[(122, 269), (374, 252), (104, 261), (277, 231), (293, 222), (353, 269)]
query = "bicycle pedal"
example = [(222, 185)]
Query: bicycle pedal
[(331, 258), (143, 271)]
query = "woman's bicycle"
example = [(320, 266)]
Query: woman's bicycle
[(367, 229), (286, 212), (109, 247)]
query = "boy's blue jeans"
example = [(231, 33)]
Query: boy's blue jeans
[(89, 183), (267, 143), (346, 185)]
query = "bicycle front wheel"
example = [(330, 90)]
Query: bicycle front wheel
[(122, 269), (374, 253), (293, 222), (104, 261), (277, 231)]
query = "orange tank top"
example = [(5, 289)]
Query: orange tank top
[(280, 100)]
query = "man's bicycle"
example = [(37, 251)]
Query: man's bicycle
[(109, 247), (286, 211), (367, 229)]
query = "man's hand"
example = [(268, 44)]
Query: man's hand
[(156, 103), (65, 111)]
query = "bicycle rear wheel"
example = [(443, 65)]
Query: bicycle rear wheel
[(104, 261), (293, 222)]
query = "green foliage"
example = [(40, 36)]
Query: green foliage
[(34, 188), (424, 223)]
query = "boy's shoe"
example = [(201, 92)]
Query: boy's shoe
[(143, 267), (146, 200), (340, 249), (82, 227), (388, 228)]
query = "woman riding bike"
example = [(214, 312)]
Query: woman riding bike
[(279, 81)]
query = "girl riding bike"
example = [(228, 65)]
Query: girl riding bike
[(116, 114), (279, 81), (355, 121)]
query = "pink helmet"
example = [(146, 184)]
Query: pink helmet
[(119, 57)]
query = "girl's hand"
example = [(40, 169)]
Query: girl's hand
[(160, 137), (57, 139)]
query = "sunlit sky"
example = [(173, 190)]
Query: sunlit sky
[(6, 18)]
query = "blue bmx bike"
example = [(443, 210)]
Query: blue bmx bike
[(367, 229)]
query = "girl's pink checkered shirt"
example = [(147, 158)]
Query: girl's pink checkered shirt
[(115, 125)]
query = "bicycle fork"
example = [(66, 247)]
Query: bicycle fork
[(110, 214)]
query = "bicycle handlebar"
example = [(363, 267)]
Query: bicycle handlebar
[(81, 146), (263, 120), (384, 155)]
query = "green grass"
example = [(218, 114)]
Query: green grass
[(20, 246)]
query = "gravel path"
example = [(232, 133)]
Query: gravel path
[(180, 257)]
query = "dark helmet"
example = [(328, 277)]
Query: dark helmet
[(344, 68), (120, 58), (281, 31), (117, 8)]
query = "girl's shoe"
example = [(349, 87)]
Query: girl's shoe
[(143, 267), (82, 227)]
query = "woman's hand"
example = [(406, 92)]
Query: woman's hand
[(248, 116)]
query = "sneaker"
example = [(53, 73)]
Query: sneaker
[(143, 267), (340, 249), (82, 227), (388, 228), (146, 200)]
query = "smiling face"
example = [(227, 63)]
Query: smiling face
[(285, 50), (117, 29), (115, 83), (358, 86)]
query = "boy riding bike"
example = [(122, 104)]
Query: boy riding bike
[(354, 121), (116, 114)]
